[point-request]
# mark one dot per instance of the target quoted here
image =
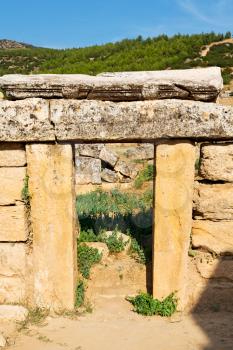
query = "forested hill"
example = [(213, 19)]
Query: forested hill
[(162, 52)]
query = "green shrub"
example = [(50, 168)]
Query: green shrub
[(114, 242), (144, 175), (80, 293), (87, 257), (144, 304), (137, 252), (88, 236)]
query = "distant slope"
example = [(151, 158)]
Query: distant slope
[(162, 52), (11, 44)]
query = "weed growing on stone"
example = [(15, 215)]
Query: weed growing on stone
[(35, 317), (137, 252), (144, 304), (25, 191), (114, 242), (87, 257), (80, 293)]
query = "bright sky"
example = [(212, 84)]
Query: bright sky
[(78, 23)]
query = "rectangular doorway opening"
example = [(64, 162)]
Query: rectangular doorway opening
[(114, 185)]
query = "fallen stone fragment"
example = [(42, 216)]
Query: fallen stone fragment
[(126, 169), (109, 176), (108, 156), (89, 150), (101, 247)]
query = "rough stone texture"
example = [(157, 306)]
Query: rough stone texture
[(109, 176), (108, 156), (2, 341), (12, 272), (213, 202), (216, 237), (26, 120), (148, 120), (51, 185), (216, 268), (13, 313), (88, 170), (89, 150), (12, 155), (12, 182), (143, 152), (126, 169), (197, 84), (217, 162), (173, 218), (13, 226)]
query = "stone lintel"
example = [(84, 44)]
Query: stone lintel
[(203, 84)]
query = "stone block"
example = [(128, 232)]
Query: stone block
[(53, 217), (216, 237), (144, 151), (215, 268), (12, 182), (213, 201), (26, 120), (173, 218), (89, 150), (12, 155), (217, 162), (126, 169), (108, 156), (13, 224), (13, 313), (88, 170), (109, 176)]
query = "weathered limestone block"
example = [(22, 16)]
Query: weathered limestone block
[(197, 84), (126, 169), (2, 341), (109, 176), (12, 272), (144, 151), (215, 268), (13, 313), (12, 182), (213, 202), (88, 170), (12, 155), (13, 224), (173, 218), (217, 162), (53, 216), (26, 120), (89, 150), (216, 237), (108, 156), (101, 121)]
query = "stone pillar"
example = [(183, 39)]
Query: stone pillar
[(52, 192), (175, 163)]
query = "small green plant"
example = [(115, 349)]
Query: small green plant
[(25, 191), (144, 175), (88, 236), (114, 242), (144, 304), (80, 293), (35, 317), (137, 252), (87, 257)]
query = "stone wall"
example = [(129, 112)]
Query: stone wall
[(50, 116), (14, 227)]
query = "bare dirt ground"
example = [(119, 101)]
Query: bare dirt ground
[(204, 52), (113, 326)]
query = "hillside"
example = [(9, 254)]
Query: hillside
[(11, 44), (162, 52)]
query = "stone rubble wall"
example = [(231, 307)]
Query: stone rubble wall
[(110, 163)]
